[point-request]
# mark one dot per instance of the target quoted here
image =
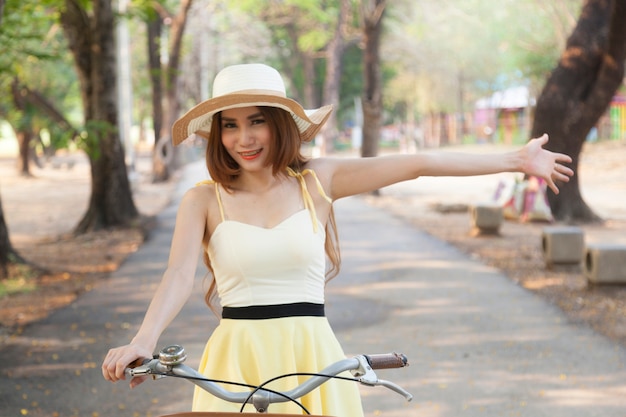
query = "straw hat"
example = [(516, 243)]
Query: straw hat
[(248, 85)]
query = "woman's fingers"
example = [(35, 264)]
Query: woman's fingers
[(137, 380), (118, 359)]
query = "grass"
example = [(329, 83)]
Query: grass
[(13, 286), (22, 279)]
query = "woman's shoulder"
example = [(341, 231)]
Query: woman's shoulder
[(202, 192), (324, 167), (320, 166)]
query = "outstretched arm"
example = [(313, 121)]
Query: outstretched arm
[(346, 177)]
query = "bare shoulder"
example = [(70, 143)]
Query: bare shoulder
[(199, 197), (200, 192), (323, 168)]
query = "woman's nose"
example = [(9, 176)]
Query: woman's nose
[(245, 136)]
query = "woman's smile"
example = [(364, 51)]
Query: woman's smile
[(251, 155)]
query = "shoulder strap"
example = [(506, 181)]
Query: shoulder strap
[(306, 196), (217, 194)]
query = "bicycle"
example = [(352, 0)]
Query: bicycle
[(169, 363)]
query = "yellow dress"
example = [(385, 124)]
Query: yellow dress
[(255, 266)]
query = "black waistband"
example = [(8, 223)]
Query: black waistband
[(274, 311)]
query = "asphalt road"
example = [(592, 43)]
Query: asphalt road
[(478, 344)]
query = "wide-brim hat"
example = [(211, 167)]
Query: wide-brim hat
[(248, 85)]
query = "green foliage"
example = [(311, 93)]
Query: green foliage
[(96, 131), (25, 34), (430, 50), (32, 48), (313, 21), (471, 47), (144, 10)]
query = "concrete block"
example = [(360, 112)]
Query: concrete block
[(563, 245), (486, 217), (605, 263)]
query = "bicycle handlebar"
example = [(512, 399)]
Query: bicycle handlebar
[(387, 361), (170, 360)]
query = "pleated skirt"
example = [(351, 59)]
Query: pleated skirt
[(254, 351)]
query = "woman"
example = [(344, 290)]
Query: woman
[(266, 225)]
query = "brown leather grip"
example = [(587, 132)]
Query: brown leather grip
[(387, 360)]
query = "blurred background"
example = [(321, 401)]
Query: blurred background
[(105, 80)]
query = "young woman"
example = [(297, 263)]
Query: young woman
[(266, 226)]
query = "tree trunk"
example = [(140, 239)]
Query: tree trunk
[(335, 49), (24, 137), (155, 29), (373, 97), (164, 155), (8, 255), (92, 42), (6, 250), (578, 93), (23, 129)]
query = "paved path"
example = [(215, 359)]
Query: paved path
[(478, 344)]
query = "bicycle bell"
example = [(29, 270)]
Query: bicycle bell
[(172, 355)]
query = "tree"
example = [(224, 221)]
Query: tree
[(579, 91), (164, 78), (12, 32), (372, 15), (8, 255), (29, 47), (90, 33), (334, 54)]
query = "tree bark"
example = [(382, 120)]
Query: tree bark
[(5, 243), (91, 40), (23, 129), (8, 255), (335, 50), (164, 155), (155, 30), (373, 96), (578, 93), (6, 249)]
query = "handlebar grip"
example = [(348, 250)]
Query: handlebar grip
[(387, 360), (138, 362)]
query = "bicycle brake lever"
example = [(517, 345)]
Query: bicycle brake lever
[(140, 367), (137, 371), (395, 387)]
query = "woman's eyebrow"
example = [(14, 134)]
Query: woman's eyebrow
[(252, 116)]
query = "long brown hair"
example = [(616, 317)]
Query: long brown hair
[(286, 153)]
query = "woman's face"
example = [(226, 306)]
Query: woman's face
[(246, 136)]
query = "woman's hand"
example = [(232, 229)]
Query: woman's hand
[(118, 359), (542, 163)]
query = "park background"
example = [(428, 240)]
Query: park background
[(413, 76)]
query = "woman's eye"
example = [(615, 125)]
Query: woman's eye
[(228, 125), (258, 121)]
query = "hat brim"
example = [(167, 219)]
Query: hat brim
[(198, 118)]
